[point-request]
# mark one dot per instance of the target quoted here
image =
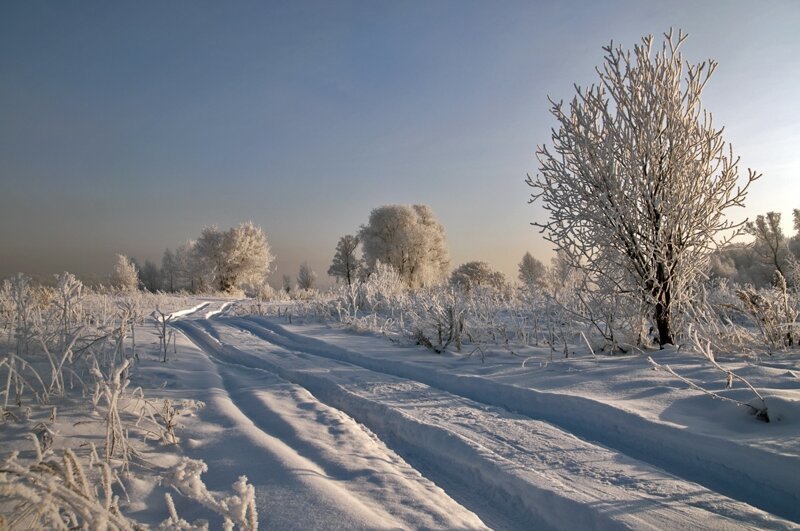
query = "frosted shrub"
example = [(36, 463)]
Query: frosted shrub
[(437, 319), (382, 290), (23, 298), (68, 297), (59, 494), (110, 388), (773, 313), (237, 510)]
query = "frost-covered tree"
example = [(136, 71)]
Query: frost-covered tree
[(306, 277), (794, 241), (474, 274), (770, 244), (346, 264), (125, 276), (208, 256), (235, 258), (532, 273), (638, 179), (410, 240), (150, 276)]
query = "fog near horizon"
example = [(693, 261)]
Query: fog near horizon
[(128, 128)]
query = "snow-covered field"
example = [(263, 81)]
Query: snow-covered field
[(336, 429)]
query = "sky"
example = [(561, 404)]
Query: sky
[(126, 127)]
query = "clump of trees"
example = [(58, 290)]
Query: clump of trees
[(638, 180), (230, 260), (233, 259)]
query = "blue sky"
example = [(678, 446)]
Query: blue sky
[(127, 127)]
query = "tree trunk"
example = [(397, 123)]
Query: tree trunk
[(663, 315), (663, 324)]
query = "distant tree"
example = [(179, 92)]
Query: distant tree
[(233, 259), (532, 273), (770, 244), (169, 270), (474, 274), (346, 265), (638, 179), (287, 283), (740, 264), (150, 277), (125, 276), (190, 273), (306, 277), (410, 240), (722, 266)]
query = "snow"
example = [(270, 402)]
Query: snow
[(616, 401), (341, 430)]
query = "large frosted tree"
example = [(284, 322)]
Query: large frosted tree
[(235, 258), (410, 240), (637, 179)]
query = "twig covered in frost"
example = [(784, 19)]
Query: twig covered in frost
[(111, 389), (761, 413)]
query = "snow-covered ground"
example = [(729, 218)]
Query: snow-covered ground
[(582, 442), (340, 430)]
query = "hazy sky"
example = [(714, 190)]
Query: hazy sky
[(128, 126)]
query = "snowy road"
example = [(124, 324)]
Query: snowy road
[(366, 449)]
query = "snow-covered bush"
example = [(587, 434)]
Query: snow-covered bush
[(773, 313), (238, 509), (59, 494), (65, 344)]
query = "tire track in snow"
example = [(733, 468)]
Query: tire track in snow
[(532, 469), (768, 481), (368, 469), (497, 513), (370, 485)]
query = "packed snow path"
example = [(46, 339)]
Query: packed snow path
[(510, 470), (755, 475)]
